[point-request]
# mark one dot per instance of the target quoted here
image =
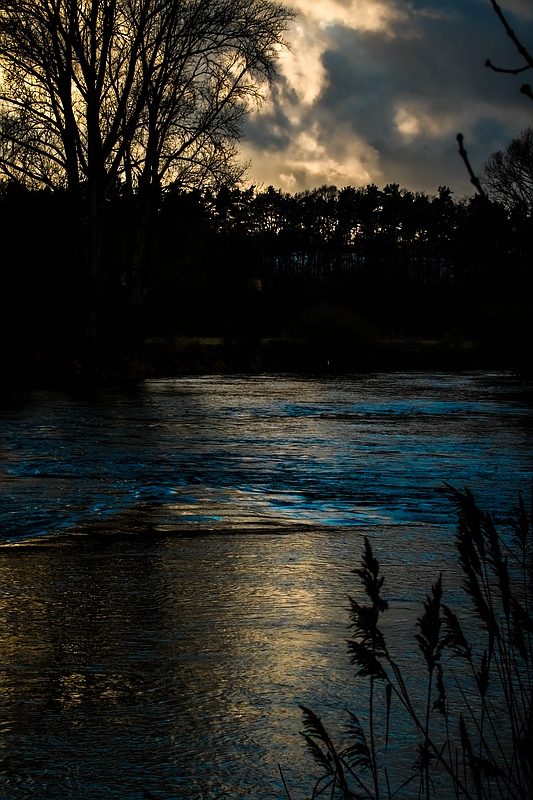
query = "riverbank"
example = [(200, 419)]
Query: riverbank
[(175, 356), (278, 355)]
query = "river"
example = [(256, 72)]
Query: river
[(176, 557)]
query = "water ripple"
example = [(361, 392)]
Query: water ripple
[(373, 447)]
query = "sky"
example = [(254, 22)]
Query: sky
[(375, 91)]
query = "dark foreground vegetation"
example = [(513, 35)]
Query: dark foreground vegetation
[(468, 733), (244, 280)]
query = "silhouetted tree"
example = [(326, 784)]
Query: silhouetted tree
[(508, 174), (108, 97)]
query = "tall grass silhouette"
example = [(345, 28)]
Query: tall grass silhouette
[(471, 722)]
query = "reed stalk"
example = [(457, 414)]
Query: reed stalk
[(474, 730)]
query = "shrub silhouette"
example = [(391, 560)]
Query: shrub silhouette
[(335, 334), (473, 731)]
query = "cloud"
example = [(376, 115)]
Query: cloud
[(363, 15), (309, 161), (302, 67), (522, 8), (376, 90), (413, 120)]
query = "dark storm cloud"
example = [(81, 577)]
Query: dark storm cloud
[(390, 96)]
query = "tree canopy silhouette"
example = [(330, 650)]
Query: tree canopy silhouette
[(107, 96), (508, 174)]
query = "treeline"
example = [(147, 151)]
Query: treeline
[(409, 263)]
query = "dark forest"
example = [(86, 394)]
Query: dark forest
[(334, 269)]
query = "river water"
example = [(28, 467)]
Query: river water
[(176, 557)]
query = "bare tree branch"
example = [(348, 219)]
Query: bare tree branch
[(512, 35), (489, 64), (519, 46), (473, 178)]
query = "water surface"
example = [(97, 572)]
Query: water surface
[(260, 453), (176, 561)]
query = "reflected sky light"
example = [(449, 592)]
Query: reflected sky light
[(263, 452)]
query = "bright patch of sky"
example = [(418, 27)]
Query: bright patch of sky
[(376, 91)]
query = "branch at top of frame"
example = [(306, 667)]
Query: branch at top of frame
[(488, 63), (512, 35)]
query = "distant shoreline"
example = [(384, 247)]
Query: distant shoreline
[(175, 356)]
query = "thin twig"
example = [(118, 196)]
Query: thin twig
[(473, 177), (490, 65)]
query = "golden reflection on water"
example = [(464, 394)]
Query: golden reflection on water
[(178, 663), (181, 654)]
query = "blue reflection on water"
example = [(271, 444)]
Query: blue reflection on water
[(262, 451)]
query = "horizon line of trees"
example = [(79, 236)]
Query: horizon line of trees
[(328, 231), (403, 260)]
